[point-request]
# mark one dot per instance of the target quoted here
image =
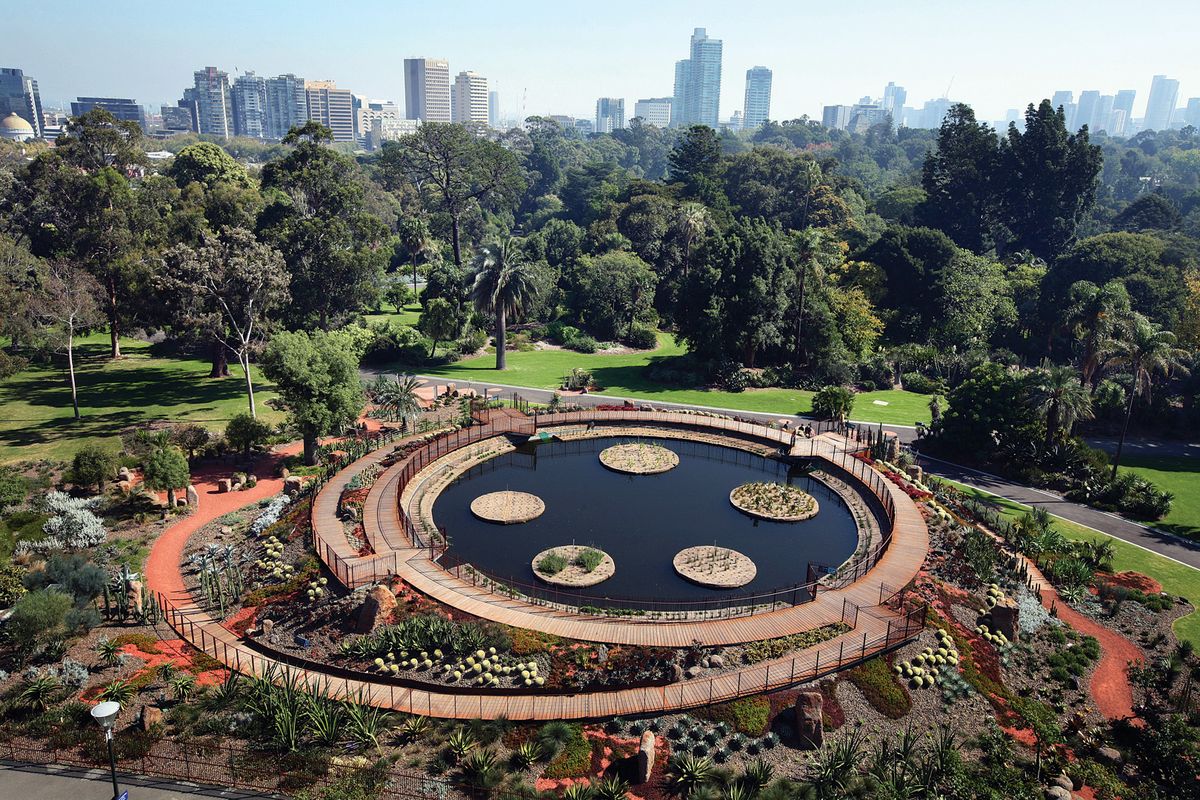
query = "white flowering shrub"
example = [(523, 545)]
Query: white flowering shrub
[(72, 525), (270, 515)]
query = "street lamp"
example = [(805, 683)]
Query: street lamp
[(105, 715)]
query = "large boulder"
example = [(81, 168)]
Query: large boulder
[(644, 764), (224, 485), (292, 484), (193, 497), (1058, 793), (1005, 618), (149, 717), (810, 708), (376, 610)]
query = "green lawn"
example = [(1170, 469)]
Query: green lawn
[(624, 375), (1178, 579), (35, 405), (389, 313), (1181, 477)]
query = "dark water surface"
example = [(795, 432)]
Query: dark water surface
[(642, 521)]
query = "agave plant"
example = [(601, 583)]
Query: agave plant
[(166, 671), (118, 691), (687, 771), (480, 771), (227, 691), (757, 775), (324, 720), (39, 692), (414, 728), (579, 791), (460, 743), (182, 686), (109, 652), (526, 755), (367, 722), (612, 788)]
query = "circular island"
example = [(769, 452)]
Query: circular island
[(573, 565), (507, 508), (774, 501), (638, 458), (715, 567)]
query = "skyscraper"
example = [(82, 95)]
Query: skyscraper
[(19, 95), (1103, 118), (757, 108), (698, 83), (427, 89), (1123, 112), (494, 109), (1085, 113), (333, 108), (286, 105), (123, 108), (893, 103), (654, 111), (610, 114), (1066, 101), (214, 108), (1160, 107), (469, 102), (249, 95), (1191, 114), (836, 117)]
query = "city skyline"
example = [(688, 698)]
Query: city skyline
[(640, 45)]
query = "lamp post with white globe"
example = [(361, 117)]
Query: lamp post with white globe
[(105, 715)]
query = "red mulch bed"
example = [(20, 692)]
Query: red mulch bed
[(1131, 580)]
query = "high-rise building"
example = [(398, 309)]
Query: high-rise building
[(214, 107), (1103, 118), (610, 114), (427, 89), (585, 127), (332, 107), (893, 103), (1160, 107), (286, 105), (1085, 112), (469, 101), (697, 96), (1191, 112), (249, 93), (757, 108), (1123, 106), (176, 118), (934, 112), (1066, 101), (494, 109), (382, 121), (123, 108), (19, 95), (654, 111), (836, 117)]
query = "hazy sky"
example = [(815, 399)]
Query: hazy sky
[(561, 56)]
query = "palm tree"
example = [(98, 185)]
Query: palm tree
[(416, 239), (504, 285), (397, 396), (1059, 399), (1095, 313), (1148, 352), (692, 221)]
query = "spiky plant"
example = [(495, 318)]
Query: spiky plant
[(118, 691), (526, 755), (480, 771), (414, 727), (367, 723), (757, 775), (612, 788), (460, 744), (109, 652), (687, 771), (579, 791), (166, 671), (227, 691), (324, 720), (556, 735), (39, 692), (182, 686)]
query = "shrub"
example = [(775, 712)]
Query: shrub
[(245, 432), (916, 382), (589, 559), (11, 585), (13, 488), (833, 402), (879, 685), (72, 525), (577, 379), (574, 759), (92, 466), (747, 715), (582, 343), (551, 564), (641, 338)]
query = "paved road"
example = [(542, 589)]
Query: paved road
[(68, 783), (1182, 550)]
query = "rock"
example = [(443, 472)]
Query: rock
[(149, 717), (193, 497), (224, 485), (1004, 618), (226, 530), (292, 484), (125, 487), (1058, 793), (350, 513), (136, 592), (676, 672), (251, 479), (810, 708), (267, 627), (693, 671), (645, 758), (285, 473), (236, 486), (717, 662), (123, 474), (915, 472), (1110, 754), (1064, 780), (706, 662), (181, 502), (376, 610)]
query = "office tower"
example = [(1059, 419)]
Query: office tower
[(249, 93), (757, 108), (585, 127), (934, 112), (893, 103), (1066, 101), (19, 95), (1085, 112), (836, 117), (864, 115), (120, 107), (1123, 105), (654, 111), (697, 96), (736, 122), (427, 89), (176, 118), (1191, 112), (610, 114), (1104, 114), (1160, 107), (382, 121), (494, 109), (469, 102), (333, 108), (214, 108), (286, 105)]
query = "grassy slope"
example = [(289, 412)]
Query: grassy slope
[(1181, 477), (1176, 578), (623, 375), (406, 316), (35, 405)]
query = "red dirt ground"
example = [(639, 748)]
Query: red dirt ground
[(1132, 580)]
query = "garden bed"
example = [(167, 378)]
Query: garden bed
[(638, 458), (774, 501), (573, 565)]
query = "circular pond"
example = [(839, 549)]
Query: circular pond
[(641, 521)]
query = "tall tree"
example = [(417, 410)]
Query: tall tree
[(959, 179), (456, 171), (317, 377), (504, 286), (67, 305), (692, 222), (317, 217), (440, 321), (231, 284), (611, 291), (1059, 399), (1148, 352), (1049, 181), (416, 241), (1095, 314)]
